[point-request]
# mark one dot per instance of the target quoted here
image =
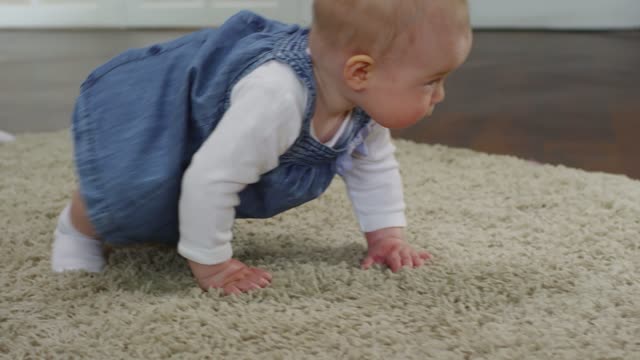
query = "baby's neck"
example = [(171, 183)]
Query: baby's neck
[(327, 71), (326, 129), (331, 105), (331, 108)]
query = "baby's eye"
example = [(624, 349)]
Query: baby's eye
[(432, 83)]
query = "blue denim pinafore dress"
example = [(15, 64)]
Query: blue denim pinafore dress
[(140, 118)]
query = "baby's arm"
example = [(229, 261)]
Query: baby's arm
[(375, 188), (264, 120)]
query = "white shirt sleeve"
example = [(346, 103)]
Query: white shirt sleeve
[(374, 184), (263, 121)]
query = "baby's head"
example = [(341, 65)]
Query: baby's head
[(390, 57)]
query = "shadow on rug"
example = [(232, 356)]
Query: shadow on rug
[(531, 262)]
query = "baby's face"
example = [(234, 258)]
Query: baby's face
[(403, 91)]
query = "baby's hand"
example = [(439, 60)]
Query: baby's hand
[(387, 247), (232, 276)]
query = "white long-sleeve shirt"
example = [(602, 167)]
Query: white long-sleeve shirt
[(263, 121)]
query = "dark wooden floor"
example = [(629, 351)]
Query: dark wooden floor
[(561, 98)]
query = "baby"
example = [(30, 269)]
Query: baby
[(176, 140)]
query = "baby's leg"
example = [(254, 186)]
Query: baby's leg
[(75, 244)]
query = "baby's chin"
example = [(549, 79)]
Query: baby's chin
[(430, 112), (401, 121), (397, 124)]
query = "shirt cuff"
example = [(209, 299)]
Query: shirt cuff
[(375, 222), (214, 256)]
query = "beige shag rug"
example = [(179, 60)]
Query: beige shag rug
[(531, 262)]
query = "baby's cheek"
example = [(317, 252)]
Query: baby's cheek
[(420, 112)]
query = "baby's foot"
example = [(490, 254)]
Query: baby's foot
[(73, 250), (232, 276)]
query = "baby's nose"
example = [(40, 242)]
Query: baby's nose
[(439, 96)]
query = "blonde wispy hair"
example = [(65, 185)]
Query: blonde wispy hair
[(368, 26)]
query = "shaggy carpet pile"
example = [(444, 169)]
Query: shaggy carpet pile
[(531, 262)]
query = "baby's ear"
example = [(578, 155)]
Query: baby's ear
[(357, 71)]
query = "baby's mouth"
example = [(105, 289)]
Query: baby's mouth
[(430, 111)]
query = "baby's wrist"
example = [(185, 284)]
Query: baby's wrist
[(376, 236), (204, 270)]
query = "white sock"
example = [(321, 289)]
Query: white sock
[(73, 250), (6, 137)]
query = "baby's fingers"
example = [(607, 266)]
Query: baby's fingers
[(425, 255), (246, 285), (231, 290), (367, 262), (407, 260), (262, 274), (417, 260), (261, 278), (394, 261)]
